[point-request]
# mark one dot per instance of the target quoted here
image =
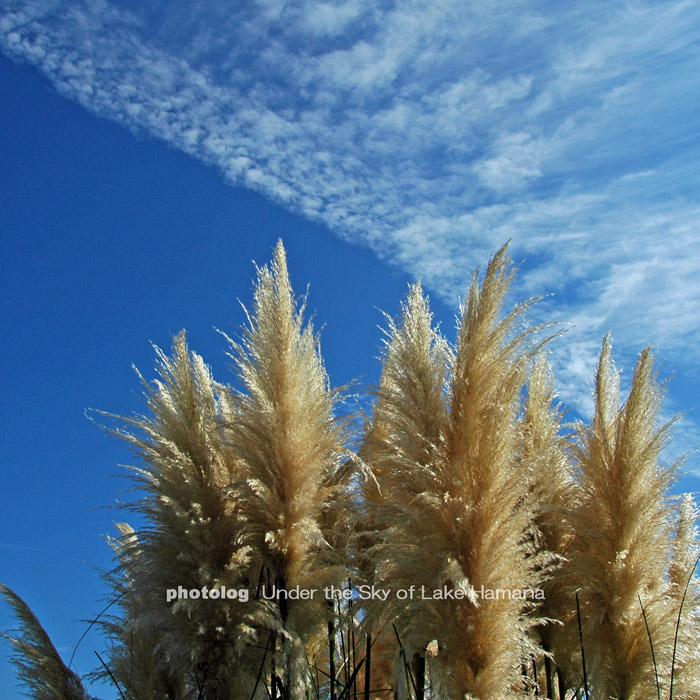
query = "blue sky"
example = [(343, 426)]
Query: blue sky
[(152, 150)]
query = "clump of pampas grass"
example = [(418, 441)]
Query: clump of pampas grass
[(545, 454), (290, 455), (403, 450), (444, 447), (684, 602), (39, 666), (186, 475), (466, 480), (247, 478), (622, 538)]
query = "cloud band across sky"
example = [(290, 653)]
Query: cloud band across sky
[(432, 132)]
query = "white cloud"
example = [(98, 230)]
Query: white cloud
[(328, 19), (515, 161)]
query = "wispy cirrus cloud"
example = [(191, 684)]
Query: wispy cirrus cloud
[(432, 132)]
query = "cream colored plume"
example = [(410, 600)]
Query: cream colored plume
[(456, 494), (289, 452), (192, 538), (545, 456), (623, 531)]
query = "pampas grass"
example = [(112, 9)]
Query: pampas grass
[(684, 603), (403, 451), (39, 666), (623, 527), (289, 450), (444, 450), (137, 662), (486, 514), (465, 480), (545, 455), (186, 475)]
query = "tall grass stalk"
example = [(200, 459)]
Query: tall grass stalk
[(623, 530), (444, 447), (555, 493), (39, 666), (288, 449), (187, 468)]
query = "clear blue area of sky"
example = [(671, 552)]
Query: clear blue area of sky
[(110, 242)]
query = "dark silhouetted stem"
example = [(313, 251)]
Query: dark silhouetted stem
[(409, 676), (651, 645), (262, 666), (549, 689), (331, 651), (114, 680), (534, 676), (368, 665), (561, 684), (583, 653), (419, 671), (92, 622)]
